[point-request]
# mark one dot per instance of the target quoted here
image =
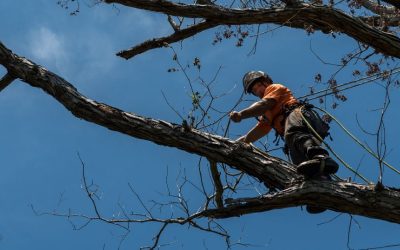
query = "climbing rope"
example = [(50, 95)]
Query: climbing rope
[(369, 150), (329, 148), (342, 87)]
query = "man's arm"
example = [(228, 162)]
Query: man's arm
[(254, 134), (256, 109)]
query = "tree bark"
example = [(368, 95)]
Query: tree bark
[(342, 197), (339, 196), (300, 16), (271, 170), (395, 3), (6, 80)]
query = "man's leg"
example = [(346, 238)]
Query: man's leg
[(305, 149)]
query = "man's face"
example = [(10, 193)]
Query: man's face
[(258, 89)]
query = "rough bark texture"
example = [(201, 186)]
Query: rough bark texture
[(271, 170), (338, 196), (376, 8), (395, 3), (298, 16)]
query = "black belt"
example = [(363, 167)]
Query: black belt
[(289, 108)]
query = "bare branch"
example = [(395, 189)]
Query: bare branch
[(217, 183), (157, 237), (320, 17), (173, 24), (6, 80), (88, 192), (378, 21), (165, 41), (291, 2), (253, 161), (395, 3), (377, 8), (337, 196)]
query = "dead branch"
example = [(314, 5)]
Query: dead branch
[(217, 183), (323, 18), (377, 8), (395, 3), (6, 80), (337, 196), (179, 35)]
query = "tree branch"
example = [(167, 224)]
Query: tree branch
[(164, 41), (291, 2), (253, 161), (337, 196), (6, 80), (378, 21), (376, 8), (395, 3), (300, 16), (217, 183)]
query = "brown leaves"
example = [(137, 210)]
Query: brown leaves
[(196, 62), (373, 68), (318, 78), (229, 33)]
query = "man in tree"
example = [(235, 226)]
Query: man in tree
[(279, 109)]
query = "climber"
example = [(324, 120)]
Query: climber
[(278, 109)]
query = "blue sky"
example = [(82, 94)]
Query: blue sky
[(40, 139)]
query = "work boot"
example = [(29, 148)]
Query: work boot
[(317, 166)]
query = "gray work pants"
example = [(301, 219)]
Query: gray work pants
[(300, 140)]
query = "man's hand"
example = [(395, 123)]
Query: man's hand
[(243, 142), (241, 139), (235, 116)]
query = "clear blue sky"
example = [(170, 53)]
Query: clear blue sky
[(40, 139)]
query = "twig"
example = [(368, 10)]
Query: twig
[(157, 237), (88, 192), (349, 232), (140, 200)]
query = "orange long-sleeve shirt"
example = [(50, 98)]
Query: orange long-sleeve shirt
[(274, 118)]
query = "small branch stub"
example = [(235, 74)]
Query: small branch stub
[(217, 183), (6, 80)]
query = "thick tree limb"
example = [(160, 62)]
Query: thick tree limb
[(6, 80), (377, 21), (268, 169), (291, 2), (345, 197), (299, 16), (163, 41), (338, 196), (374, 7), (395, 3)]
